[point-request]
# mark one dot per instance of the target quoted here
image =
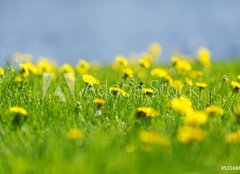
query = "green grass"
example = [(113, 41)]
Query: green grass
[(40, 145)]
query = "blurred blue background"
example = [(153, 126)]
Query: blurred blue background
[(68, 30)]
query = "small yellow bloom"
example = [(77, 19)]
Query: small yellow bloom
[(75, 134), (204, 56), (24, 69), (189, 134), (178, 84), (155, 49), (128, 72), (66, 68), (196, 74), (121, 60), (82, 66), (201, 85), (45, 65), (188, 81), (236, 86), (99, 102), (144, 63), (90, 80), (182, 105), (117, 91), (215, 110), (1, 71), (146, 112), (159, 72), (233, 137), (238, 77), (154, 138), (19, 79), (196, 118), (148, 91), (18, 110), (183, 66)]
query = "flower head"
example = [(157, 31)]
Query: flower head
[(201, 85), (144, 62), (117, 91), (75, 134), (159, 72), (82, 66), (18, 110), (90, 80), (182, 105), (128, 72), (204, 56), (148, 91), (233, 137), (1, 71), (154, 138), (66, 68), (99, 102), (121, 60), (190, 134), (146, 112), (196, 118), (214, 110), (236, 86)]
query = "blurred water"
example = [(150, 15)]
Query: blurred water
[(98, 30)]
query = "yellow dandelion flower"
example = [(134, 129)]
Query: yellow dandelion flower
[(45, 65), (236, 86), (154, 138), (233, 137), (146, 112), (175, 59), (188, 81), (168, 79), (159, 72), (215, 110), (19, 79), (121, 60), (18, 110), (182, 105), (204, 57), (99, 102), (178, 84), (155, 49), (196, 74), (148, 91), (1, 71), (75, 134), (90, 80), (82, 66), (24, 69), (183, 66), (238, 77), (201, 85), (117, 91), (196, 118), (144, 63), (189, 134), (128, 72), (66, 68)]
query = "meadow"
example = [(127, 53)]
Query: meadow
[(136, 115)]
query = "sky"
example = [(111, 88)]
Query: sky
[(98, 30)]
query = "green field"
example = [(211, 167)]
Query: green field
[(73, 134)]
